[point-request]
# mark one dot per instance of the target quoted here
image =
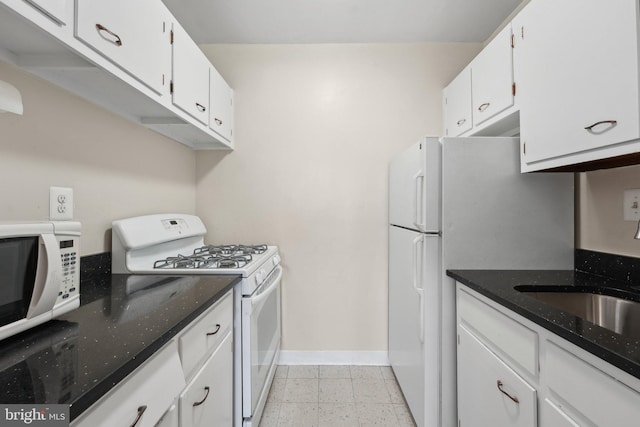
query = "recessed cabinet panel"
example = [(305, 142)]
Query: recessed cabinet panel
[(578, 80), (190, 81), (457, 109), (492, 78), (221, 99), (133, 35), (489, 392)]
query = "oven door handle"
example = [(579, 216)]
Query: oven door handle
[(272, 287)]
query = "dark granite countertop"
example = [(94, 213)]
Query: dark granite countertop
[(498, 285), (122, 320)]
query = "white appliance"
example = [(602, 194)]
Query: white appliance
[(461, 203), (39, 273), (173, 244)]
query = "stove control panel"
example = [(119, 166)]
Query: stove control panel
[(175, 224)]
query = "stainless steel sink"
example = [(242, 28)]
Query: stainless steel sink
[(611, 312)]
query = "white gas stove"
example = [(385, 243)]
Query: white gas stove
[(173, 244)]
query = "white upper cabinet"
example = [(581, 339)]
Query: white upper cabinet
[(457, 104), (221, 106), (492, 78), (190, 81), (56, 10), (133, 35), (480, 101), (577, 81)]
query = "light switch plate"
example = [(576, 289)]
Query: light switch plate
[(631, 205), (60, 204)]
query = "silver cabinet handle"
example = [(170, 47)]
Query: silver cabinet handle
[(117, 40), (218, 121), (205, 397), (141, 410), (216, 331), (484, 106), (461, 122), (515, 399), (602, 122), (201, 107)]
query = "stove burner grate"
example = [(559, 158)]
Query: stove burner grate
[(231, 250), (227, 256)]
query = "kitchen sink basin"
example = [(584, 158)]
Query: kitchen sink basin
[(612, 310)]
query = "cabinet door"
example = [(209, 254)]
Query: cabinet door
[(490, 393), (578, 69), (457, 105), (221, 99), (208, 399), (492, 78), (190, 78), (133, 35)]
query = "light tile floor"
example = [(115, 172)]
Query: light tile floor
[(335, 396)]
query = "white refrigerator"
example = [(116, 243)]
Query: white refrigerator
[(461, 203)]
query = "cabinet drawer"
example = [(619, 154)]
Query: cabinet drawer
[(598, 396), (153, 386), (489, 392), (206, 333), (516, 341)]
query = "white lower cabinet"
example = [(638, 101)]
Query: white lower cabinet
[(156, 393), (570, 387), (489, 392), (142, 397), (208, 399)]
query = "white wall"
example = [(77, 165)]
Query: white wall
[(116, 168), (315, 128), (601, 221)]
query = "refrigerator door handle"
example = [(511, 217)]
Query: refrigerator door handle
[(418, 202), (417, 279)]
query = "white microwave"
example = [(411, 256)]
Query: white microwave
[(39, 273)]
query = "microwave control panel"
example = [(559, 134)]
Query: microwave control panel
[(70, 262)]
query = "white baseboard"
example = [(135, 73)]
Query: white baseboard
[(372, 358)]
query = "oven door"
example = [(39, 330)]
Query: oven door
[(260, 341)]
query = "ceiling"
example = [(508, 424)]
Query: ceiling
[(340, 21)]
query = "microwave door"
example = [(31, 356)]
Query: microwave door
[(48, 273), (17, 276)]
